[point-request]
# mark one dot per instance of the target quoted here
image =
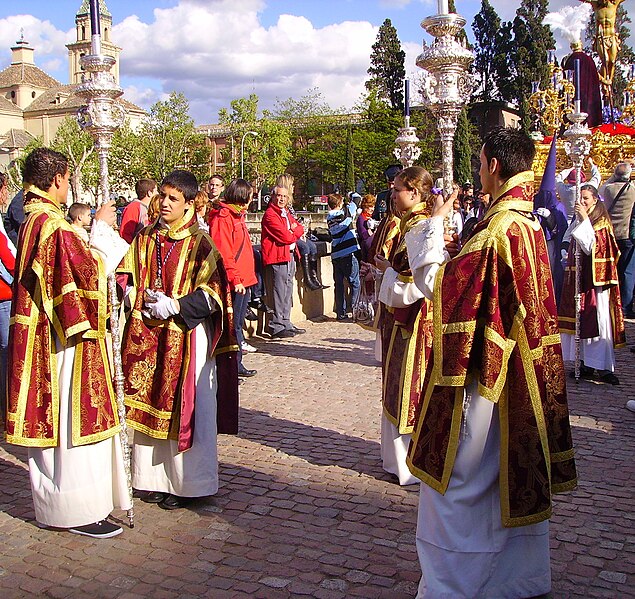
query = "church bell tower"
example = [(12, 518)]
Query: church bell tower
[(82, 44)]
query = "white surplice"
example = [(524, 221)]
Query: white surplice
[(394, 446), (463, 549), (76, 486), (157, 463)]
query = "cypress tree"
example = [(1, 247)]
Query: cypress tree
[(532, 40), (486, 27), (387, 72)]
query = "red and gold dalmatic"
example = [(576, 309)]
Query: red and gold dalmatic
[(59, 292), (406, 338), (495, 322), (158, 355), (598, 270)]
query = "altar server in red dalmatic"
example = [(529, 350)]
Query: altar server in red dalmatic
[(61, 403), (179, 352)]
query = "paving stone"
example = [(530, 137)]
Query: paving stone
[(618, 577), (276, 583), (305, 504)]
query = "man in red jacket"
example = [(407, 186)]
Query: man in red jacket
[(279, 235)]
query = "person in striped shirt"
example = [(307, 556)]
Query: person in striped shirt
[(344, 247)]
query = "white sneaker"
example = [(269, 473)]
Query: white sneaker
[(246, 348), (630, 405)]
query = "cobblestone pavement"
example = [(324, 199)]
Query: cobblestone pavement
[(305, 509)]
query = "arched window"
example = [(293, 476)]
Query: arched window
[(83, 32)]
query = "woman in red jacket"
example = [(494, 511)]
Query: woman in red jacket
[(280, 233), (228, 230), (7, 266)]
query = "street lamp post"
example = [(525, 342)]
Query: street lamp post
[(242, 152)]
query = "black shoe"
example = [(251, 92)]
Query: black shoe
[(174, 502), (284, 334), (343, 317), (152, 496), (245, 372), (609, 378), (250, 315), (259, 305), (297, 330), (99, 530)]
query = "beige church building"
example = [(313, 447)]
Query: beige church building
[(33, 104)]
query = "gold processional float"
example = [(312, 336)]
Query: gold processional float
[(611, 143)]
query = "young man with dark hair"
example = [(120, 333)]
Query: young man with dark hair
[(135, 214), (179, 352), (492, 441), (61, 403)]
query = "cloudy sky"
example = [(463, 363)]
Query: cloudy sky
[(217, 50)]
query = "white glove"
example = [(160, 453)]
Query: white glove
[(564, 254), (163, 307), (543, 212)]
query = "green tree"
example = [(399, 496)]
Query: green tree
[(316, 132), (486, 27), (532, 40), (169, 139), (465, 139), (266, 154), (387, 72), (15, 168), (126, 163), (349, 165), (79, 148), (504, 66)]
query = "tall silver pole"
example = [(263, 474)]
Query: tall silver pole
[(447, 83), (101, 118), (577, 146)]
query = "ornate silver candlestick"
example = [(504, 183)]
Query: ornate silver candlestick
[(101, 118), (447, 83), (407, 150), (577, 145)]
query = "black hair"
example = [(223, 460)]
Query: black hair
[(41, 166), (238, 192), (392, 171), (513, 149), (184, 181), (217, 176), (144, 186)]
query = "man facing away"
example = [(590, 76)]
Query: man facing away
[(61, 403), (179, 352), (135, 214), (492, 440)]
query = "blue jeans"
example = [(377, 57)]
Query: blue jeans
[(626, 273), (240, 301), (5, 313), (345, 268)]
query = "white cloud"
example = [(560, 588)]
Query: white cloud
[(216, 51)]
